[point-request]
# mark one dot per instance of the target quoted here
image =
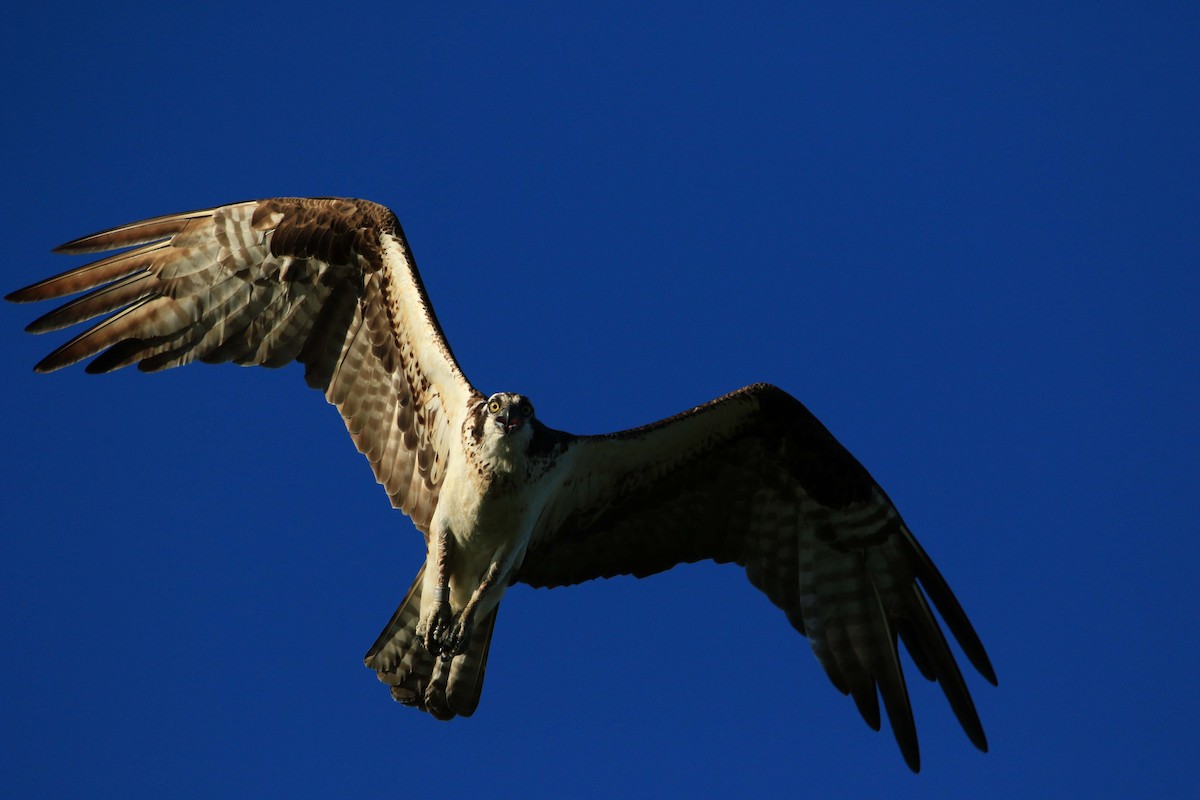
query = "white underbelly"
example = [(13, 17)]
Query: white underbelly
[(484, 531)]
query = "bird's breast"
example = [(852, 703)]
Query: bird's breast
[(483, 510)]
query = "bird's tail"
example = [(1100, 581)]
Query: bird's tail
[(444, 688)]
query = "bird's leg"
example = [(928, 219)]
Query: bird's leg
[(435, 624), (459, 637)]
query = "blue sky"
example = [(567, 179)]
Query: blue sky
[(966, 239)]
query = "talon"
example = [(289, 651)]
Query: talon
[(434, 629), (459, 637)]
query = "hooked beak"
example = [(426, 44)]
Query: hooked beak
[(509, 420)]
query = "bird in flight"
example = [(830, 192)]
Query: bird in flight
[(751, 478)]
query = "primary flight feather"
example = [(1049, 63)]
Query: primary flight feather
[(750, 478)]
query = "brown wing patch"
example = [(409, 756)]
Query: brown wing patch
[(329, 282)]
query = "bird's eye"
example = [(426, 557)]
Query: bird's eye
[(526, 410), (494, 406)]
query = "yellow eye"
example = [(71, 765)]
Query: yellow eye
[(494, 406)]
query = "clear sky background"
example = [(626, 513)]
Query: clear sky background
[(967, 239)]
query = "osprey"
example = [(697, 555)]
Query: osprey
[(750, 478)]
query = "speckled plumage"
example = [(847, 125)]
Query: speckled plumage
[(751, 478)]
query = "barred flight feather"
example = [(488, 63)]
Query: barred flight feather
[(751, 478)]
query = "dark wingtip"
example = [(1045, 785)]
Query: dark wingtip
[(979, 659), (912, 757), (47, 364), (990, 676), (904, 729), (866, 700), (952, 612), (20, 295)]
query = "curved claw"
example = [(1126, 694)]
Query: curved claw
[(458, 638), (434, 629)]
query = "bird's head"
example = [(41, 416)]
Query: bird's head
[(509, 415)]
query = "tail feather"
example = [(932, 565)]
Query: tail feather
[(393, 651), (443, 688), (466, 671)]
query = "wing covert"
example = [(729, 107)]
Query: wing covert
[(328, 282), (755, 479)]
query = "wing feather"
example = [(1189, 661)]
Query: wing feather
[(97, 273), (104, 300), (328, 282), (754, 478)]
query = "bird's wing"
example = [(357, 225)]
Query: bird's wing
[(754, 478), (328, 282)]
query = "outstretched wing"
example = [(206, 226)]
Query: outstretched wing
[(328, 282), (754, 478)]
